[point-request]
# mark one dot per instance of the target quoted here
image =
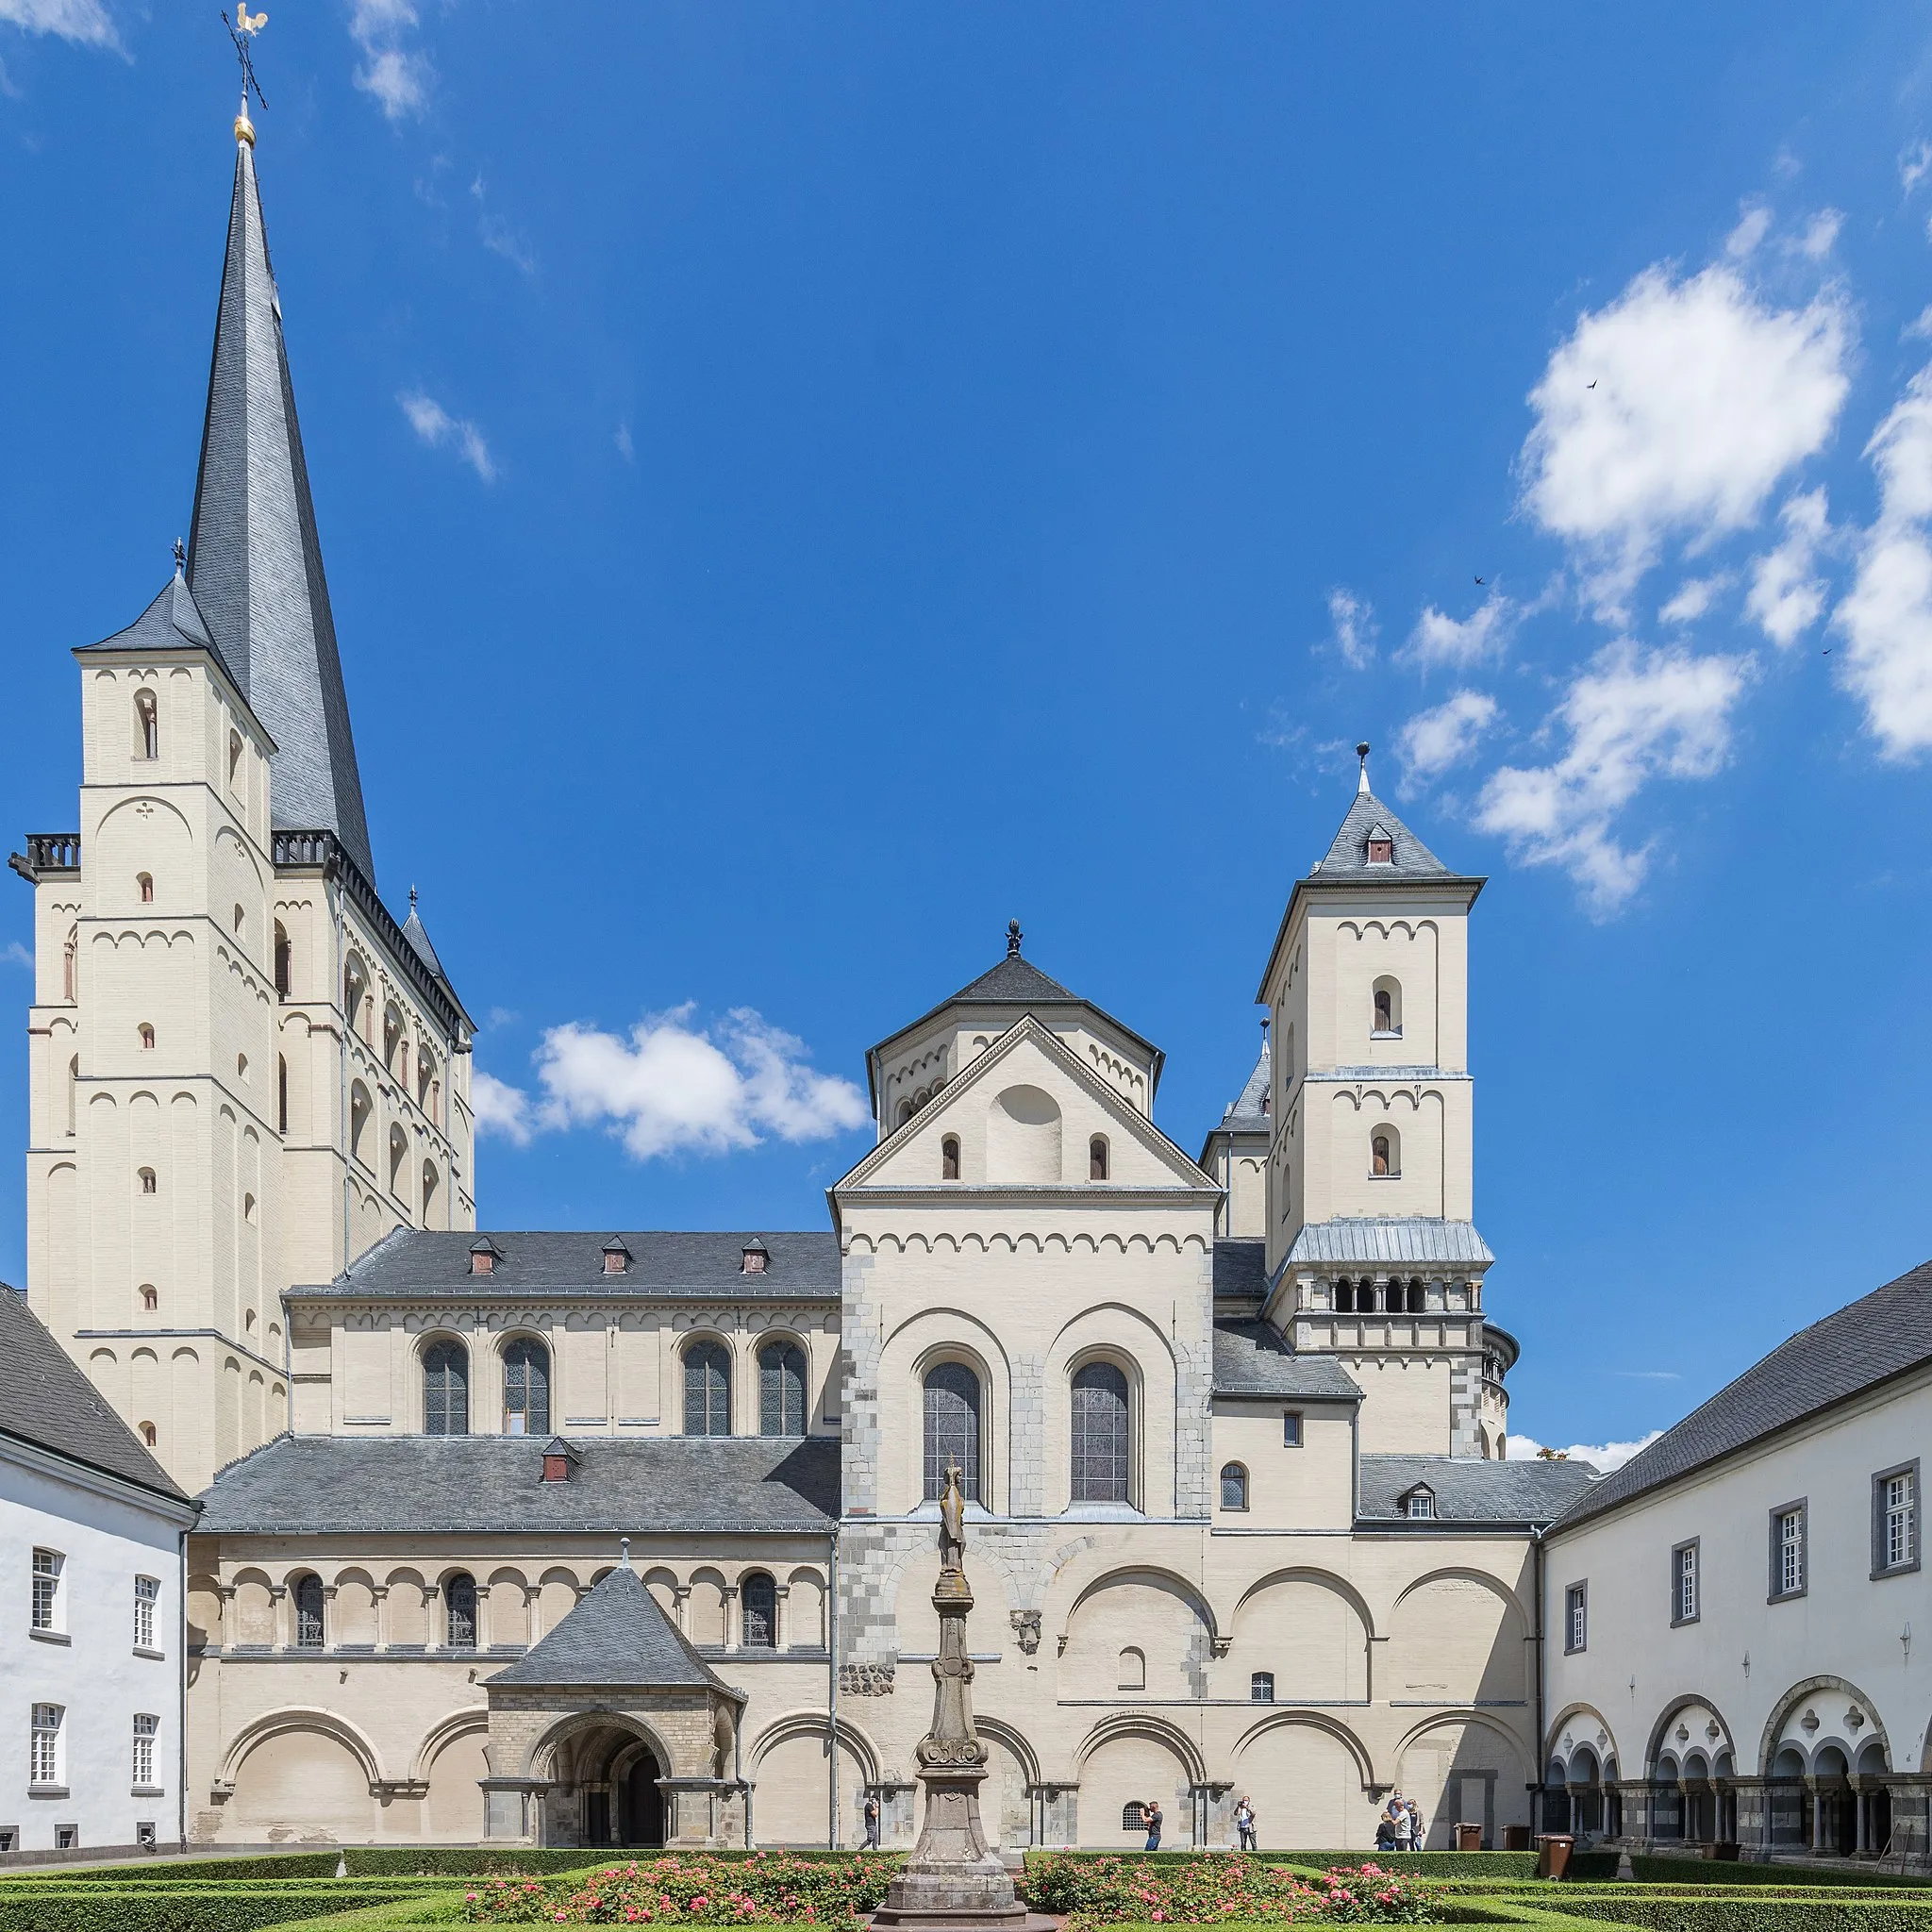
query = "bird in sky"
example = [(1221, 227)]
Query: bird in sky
[(1478, 580), (1589, 385)]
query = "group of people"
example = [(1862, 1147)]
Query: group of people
[(1400, 1828)]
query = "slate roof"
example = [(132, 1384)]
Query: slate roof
[(318, 1485), (617, 1635), (1247, 1114), (410, 1263), (1470, 1490), (1395, 1239), (1885, 1333), (254, 558), (171, 620), (1348, 855), (418, 936), (1241, 1267), (50, 1403), (1253, 1358)]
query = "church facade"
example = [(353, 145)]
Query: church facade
[(627, 1536)]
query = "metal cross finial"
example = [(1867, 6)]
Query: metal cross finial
[(413, 898), (242, 29), (1013, 938), (180, 556)]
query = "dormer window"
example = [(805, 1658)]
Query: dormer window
[(754, 1257), (1420, 1503), (1381, 847), (484, 1256), (559, 1461), (616, 1257)]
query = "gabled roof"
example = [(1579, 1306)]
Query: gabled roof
[(170, 622), (617, 1635), (413, 1262), (493, 1485), (51, 1404), (1884, 1334), (1468, 1488), (1253, 1358), (254, 558), (1241, 1267)]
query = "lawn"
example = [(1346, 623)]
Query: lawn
[(384, 1888)]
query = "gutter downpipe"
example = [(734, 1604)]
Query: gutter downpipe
[(181, 1706), (1536, 1541), (832, 1686)]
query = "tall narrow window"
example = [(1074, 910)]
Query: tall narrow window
[(148, 1184), (149, 1434), (1577, 1617), (398, 1154), (235, 760), (285, 962), (757, 1607), (949, 1158), (309, 1630), (1096, 1157), (1684, 1584), (952, 1429), (73, 1094), (147, 727), (146, 1725), (781, 1389), (1788, 1558), (1385, 1011), (460, 1611), (1895, 1521), (1385, 1158), (1101, 1441), (281, 1094), (359, 1111), (150, 1298), (48, 1566), (1234, 1486), (43, 1756), (144, 885), (430, 1182), (525, 1387), (68, 953), (147, 1036), (426, 1066), (707, 1389), (445, 1389), (1130, 1671)]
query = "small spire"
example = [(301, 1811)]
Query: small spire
[(180, 557), (1013, 939), (623, 1544), (1264, 1029), (413, 898), (1362, 784)]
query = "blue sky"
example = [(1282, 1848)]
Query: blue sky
[(804, 484)]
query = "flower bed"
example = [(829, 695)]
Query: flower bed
[(695, 1890), (1219, 1889)]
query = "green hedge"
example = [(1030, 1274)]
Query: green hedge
[(1742, 1913), (111, 1908), (1663, 1869), (364, 1861)]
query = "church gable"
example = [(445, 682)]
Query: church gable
[(1027, 1113)]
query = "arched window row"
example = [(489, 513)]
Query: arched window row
[(783, 1389), (1388, 1298), (525, 1387)]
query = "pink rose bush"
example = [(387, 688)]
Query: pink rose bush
[(694, 1888), (1220, 1888)]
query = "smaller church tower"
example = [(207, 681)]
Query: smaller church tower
[(1372, 1251)]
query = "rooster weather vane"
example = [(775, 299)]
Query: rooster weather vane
[(242, 30)]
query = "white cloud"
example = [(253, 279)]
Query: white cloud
[(1786, 599), (1353, 619), (1887, 615), (1634, 715), (17, 954), (498, 236), (398, 76), (1752, 228), (1442, 642), (1434, 740), (672, 1088), (1920, 327), (439, 429), (86, 23), (1603, 1455), (1820, 234), (1914, 163), (500, 1109), (1694, 597), (1705, 397), (624, 446)]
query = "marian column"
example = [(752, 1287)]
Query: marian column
[(954, 1881)]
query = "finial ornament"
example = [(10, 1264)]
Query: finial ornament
[(180, 556), (242, 30), (1361, 751), (413, 898), (623, 1545), (1013, 939)]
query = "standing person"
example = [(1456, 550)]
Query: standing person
[(1244, 1824), (1150, 1816), (872, 1821), (1417, 1829)]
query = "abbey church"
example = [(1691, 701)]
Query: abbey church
[(622, 1536)]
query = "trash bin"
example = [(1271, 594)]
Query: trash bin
[(1469, 1837), (1516, 1837), (1553, 1854)]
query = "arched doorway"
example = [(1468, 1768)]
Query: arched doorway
[(642, 1810)]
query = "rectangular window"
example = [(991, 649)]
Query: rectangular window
[(1419, 1503), (1577, 1617), (147, 1590), (1788, 1531), (47, 1588), (146, 1725), (1261, 1688), (1291, 1428), (1684, 1607), (44, 1753), (1895, 1521)]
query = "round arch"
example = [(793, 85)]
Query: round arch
[(808, 1723), (1188, 1591), (300, 1718), (1655, 1745), (1304, 1572), (1582, 1713), (1457, 1573), (446, 1731), (1809, 1687), (541, 1757), (1122, 1723), (1284, 1716)]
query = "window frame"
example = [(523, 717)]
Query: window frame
[(1240, 1473), (49, 1601), (1294, 1429), (47, 1757), (1120, 1470), (699, 1353), (146, 1614), (1880, 1568), (973, 1463), (302, 1640), (1694, 1548), (777, 1374), (1577, 1617), (1777, 1592), (453, 1355), (142, 1766), (1420, 1494), (531, 1368), (452, 1588), (764, 1581), (1256, 1679)]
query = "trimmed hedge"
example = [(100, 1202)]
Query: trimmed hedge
[(1753, 1914), (364, 1861), (110, 1908), (1658, 1869)]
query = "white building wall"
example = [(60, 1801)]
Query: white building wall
[(107, 1536)]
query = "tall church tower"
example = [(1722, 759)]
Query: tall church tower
[(1372, 1253), (244, 1070)]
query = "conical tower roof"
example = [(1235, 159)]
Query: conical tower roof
[(253, 559)]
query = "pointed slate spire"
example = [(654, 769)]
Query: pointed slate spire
[(254, 562), (418, 936)]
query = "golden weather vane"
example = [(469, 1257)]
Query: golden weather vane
[(242, 30)]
